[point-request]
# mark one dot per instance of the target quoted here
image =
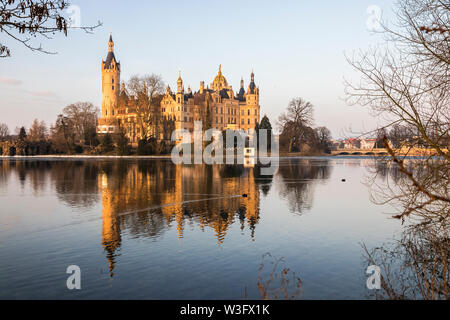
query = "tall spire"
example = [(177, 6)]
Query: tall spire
[(242, 83), (110, 44)]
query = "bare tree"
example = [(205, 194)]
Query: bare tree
[(324, 136), (274, 284), (38, 131), (416, 266), (22, 20), (62, 136), (83, 119), (4, 131), (407, 83), (299, 112), (295, 122), (146, 92)]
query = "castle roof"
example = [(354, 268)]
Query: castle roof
[(241, 94), (252, 87), (224, 94), (110, 59)]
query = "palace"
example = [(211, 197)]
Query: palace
[(217, 106)]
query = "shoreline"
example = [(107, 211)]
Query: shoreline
[(149, 157)]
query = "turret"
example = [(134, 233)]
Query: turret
[(180, 87), (252, 102), (110, 44), (252, 87), (241, 93), (110, 82)]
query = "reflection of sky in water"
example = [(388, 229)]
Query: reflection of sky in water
[(149, 229)]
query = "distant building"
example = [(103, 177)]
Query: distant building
[(368, 144), (352, 143)]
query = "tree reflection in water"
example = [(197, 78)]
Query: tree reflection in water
[(416, 265), (298, 177)]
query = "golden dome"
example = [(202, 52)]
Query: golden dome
[(220, 81)]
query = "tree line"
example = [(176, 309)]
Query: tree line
[(74, 132)]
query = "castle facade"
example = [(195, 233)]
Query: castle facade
[(217, 106)]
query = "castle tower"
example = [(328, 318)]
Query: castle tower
[(110, 83), (252, 102)]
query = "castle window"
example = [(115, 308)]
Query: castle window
[(242, 121), (248, 111), (113, 87), (112, 80), (248, 121), (256, 112)]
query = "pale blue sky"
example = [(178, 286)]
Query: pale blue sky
[(296, 48)]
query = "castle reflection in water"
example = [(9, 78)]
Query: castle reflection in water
[(145, 198)]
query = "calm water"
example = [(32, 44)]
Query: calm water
[(152, 230)]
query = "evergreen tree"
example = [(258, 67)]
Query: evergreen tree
[(265, 124), (122, 146), (106, 145), (22, 134)]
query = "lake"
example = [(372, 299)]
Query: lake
[(149, 229)]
